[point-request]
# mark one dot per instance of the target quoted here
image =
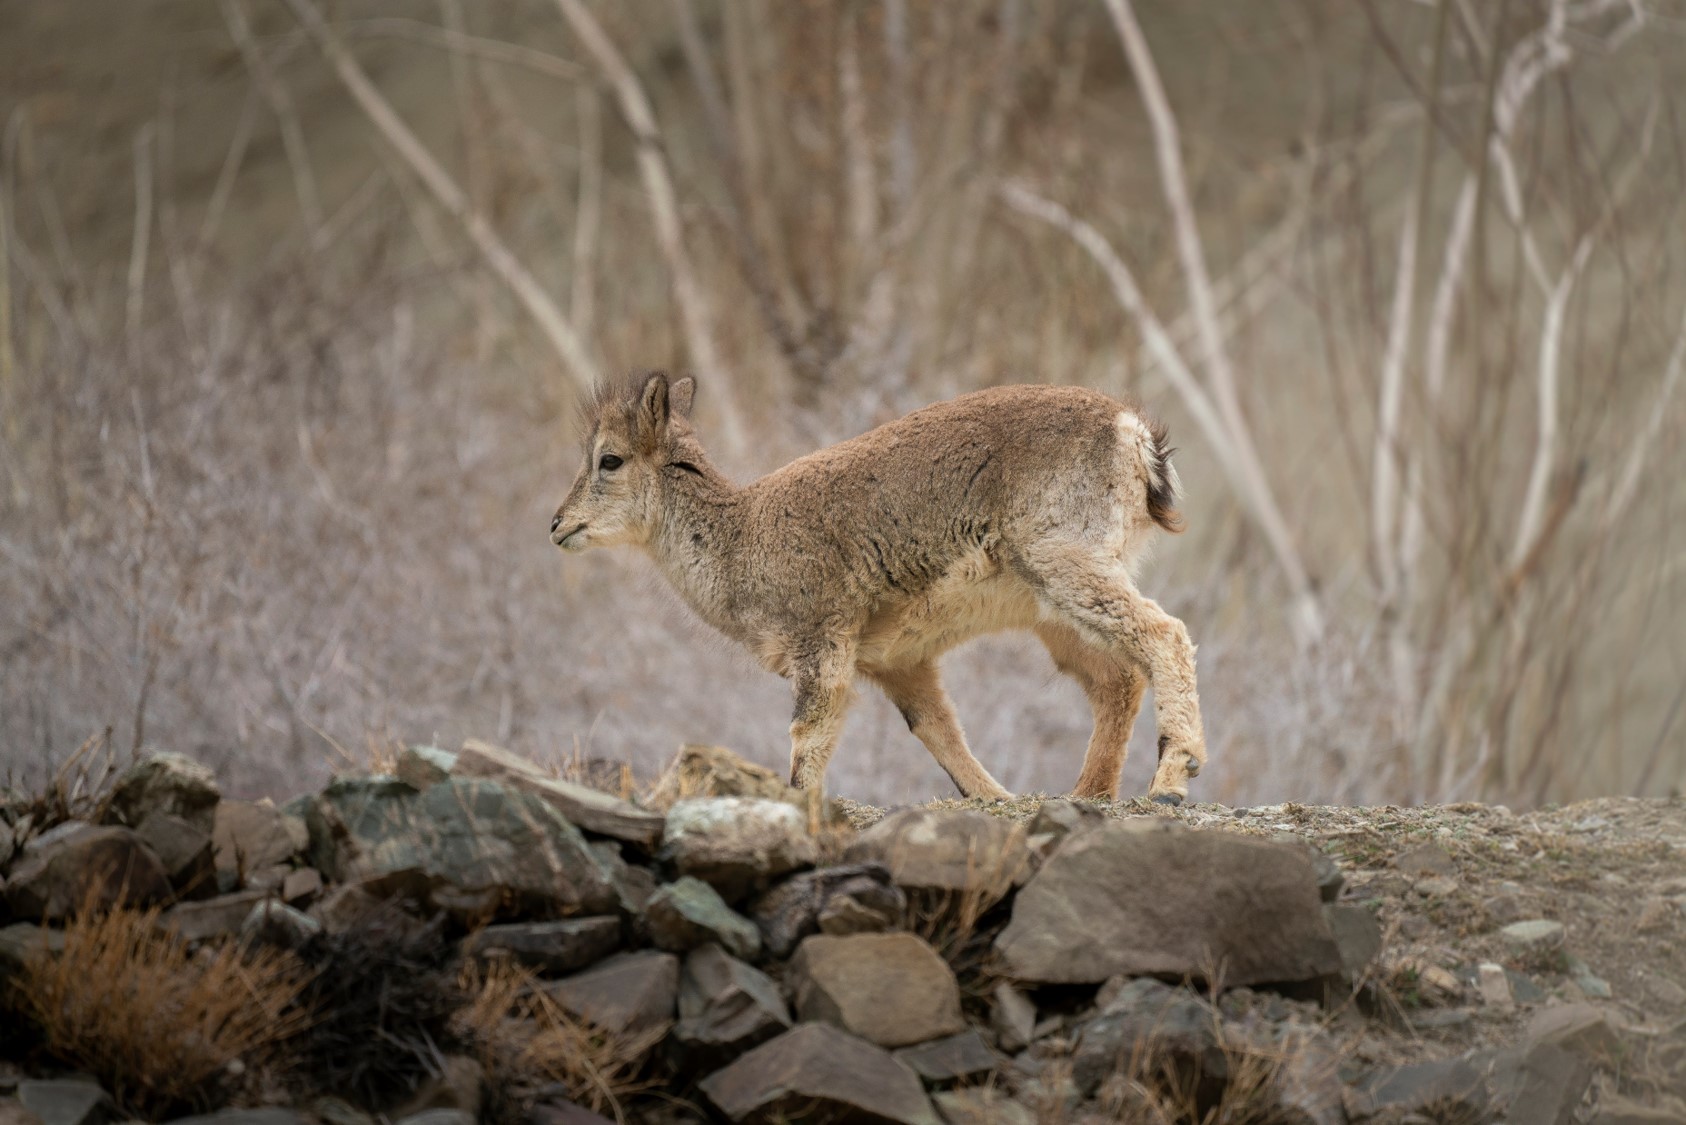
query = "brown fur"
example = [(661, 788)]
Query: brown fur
[(1009, 508)]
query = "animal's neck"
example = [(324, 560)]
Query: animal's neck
[(698, 539)]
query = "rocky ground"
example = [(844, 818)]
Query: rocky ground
[(468, 938)]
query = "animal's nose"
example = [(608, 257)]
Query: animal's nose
[(555, 523)]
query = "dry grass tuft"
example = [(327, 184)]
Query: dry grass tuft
[(76, 790), (526, 1042), (162, 1029)]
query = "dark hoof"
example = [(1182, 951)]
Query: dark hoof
[(1168, 799)]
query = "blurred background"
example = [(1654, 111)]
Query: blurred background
[(297, 298)]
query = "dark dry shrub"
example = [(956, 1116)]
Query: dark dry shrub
[(163, 1030), (381, 996)]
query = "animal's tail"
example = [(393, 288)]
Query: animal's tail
[(1162, 483)]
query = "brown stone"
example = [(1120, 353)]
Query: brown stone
[(185, 852), (548, 947), (212, 918), (168, 783), (1151, 898), (954, 850), (891, 989), (251, 835), (632, 993), (819, 1073), (100, 867)]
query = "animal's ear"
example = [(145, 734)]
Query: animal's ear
[(653, 408), (680, 392)]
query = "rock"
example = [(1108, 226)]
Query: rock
[(1153, 898), (725, 1008), (472, 842), (345, 907), (1493, 985), (422, 767), (1425, 860), (1613, 1109), (548, 947), (1536, 935), (981, 1105), (21, 941), (438, 1117), (954, 850), (1445, 1088), (952, 1058), (714, 771), (589, 809), (685, 914), (737, 844), (211, 918), (1330, 878), (301, 886), (1593, 987), (1059, 817), (554, 1111), (891, 989), (633, 884), (818, 1073), (628, 994), (1146, 1026), (1435, 886), (1012, 1016), (167, 783), (1357, 934), (251, 835), (854, 895), (185, 852), (268, 1115), (1542, 1085), (99, 867), (70, 1101), (1583, 1029), (1656, 915), (279, 925)]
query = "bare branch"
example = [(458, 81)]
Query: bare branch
[(561, 335)]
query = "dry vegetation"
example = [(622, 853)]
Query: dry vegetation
[(292, 316)]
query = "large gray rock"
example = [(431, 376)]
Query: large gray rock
[(473, 843), (629, 994), (72, 1101), (211, 918), (548, 947), (891, 989), (737, 844), (687, 913), (101, 867), (725, 1008), (252, 835), (1584, 1029), (951, 1058), (1357, 935), (167, 783), (22, 941), (860, 893), (1151, 898), (1542, 1085), (954, 850), (820, 1074), (1149, 1024), (586, 808)]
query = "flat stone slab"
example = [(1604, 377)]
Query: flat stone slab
[(105, 866), (818, 1072), (586, 808), (631, 993), (549, 947), (891, 989), (951, 1058), (687, 913), (957, 850), (1148, 897)]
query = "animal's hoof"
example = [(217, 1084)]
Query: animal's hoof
[(1172, 799), (1193, 766)]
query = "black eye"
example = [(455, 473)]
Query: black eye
[(608, 462)]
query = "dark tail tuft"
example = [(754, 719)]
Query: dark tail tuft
[(1162, 485)]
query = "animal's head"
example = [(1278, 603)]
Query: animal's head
[(637, 435)]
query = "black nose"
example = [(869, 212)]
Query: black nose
[(554, 524)]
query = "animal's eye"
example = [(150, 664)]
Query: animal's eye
[(608, 462)]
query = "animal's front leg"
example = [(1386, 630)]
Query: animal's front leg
[(823, 683)]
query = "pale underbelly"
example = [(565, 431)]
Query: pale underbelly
[(973, 599)]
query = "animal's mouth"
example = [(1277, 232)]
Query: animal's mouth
[(570, 539)]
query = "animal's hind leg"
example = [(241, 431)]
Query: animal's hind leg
[(1090, 590), (918, 694), (1115, 688)]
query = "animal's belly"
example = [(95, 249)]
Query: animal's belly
[(973, 598)]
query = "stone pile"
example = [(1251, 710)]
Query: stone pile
[(938, 966)]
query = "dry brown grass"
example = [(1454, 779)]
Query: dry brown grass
[(162, 1029), (525, 1041)]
